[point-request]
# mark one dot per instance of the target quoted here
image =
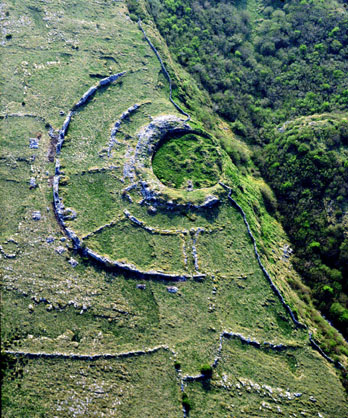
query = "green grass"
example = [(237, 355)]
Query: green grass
[(247, 382), (188, 158), (100, 189), (135, 245), (116, 388), (117, 316)]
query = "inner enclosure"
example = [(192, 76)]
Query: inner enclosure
[(187, 161)]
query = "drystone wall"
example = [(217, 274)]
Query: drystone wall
[(63, 213), (164, 71), (265, 272), (117, 125), (274, 287), (90, 357)]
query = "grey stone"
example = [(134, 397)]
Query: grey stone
[(210, 201), (69, 214), (172, 289), (49, 239), (33, 143), (152, 210), (73, 262), (60, 250), (32, 183), (36, 215), (141, 286)]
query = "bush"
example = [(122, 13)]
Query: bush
[(269, 200), (186, 402), (207, 371)]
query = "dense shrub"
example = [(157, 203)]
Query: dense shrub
[(207, 371), (282, 60), (305, 164)]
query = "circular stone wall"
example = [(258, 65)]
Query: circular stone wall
[(113, 206)]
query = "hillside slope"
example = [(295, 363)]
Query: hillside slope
[(122, 296), (265, 64)]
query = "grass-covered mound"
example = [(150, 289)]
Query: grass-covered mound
[(187, 161)]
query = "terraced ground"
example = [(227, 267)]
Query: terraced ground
[(158, 282)]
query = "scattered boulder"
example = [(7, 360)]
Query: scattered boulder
[(60, 250), (151, 210), (32, 183), (33, 143), (172, 289), (73, 262), (49, 239), (36, 215), (141, 286)]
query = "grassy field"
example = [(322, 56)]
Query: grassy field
[(187, 161), (50, 304)]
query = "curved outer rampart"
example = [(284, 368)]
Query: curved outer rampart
[(61, 211)]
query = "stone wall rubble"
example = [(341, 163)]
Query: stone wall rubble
[(117, 125), (87, 96)]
